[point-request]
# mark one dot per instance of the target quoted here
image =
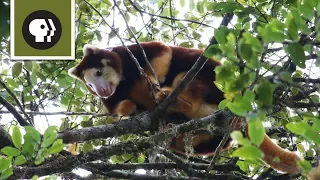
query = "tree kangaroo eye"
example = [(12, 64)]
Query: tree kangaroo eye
[(90, 85), (98, 73)]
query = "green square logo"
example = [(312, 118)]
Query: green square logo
[(42, 29)]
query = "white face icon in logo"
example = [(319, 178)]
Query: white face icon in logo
[(39, 29)]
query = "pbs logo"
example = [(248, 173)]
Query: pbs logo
[(41, 29)]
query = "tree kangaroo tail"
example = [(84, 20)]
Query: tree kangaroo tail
[(279, 158)]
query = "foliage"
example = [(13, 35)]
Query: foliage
[(270, 76)]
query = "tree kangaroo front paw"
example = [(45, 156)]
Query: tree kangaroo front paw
[(179, 105)]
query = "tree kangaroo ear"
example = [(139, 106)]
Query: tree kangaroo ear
[(73, 72), (89, 49)]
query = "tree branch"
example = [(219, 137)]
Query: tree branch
[(141, 123), (306, 80), (5, 138), (66, 164), (34, 113), (158, 165), (14, 112)]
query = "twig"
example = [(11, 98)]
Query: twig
[(143, 52), (302, 105), (34, 113), (165, 17), (221, 144), (306, 80), (17, 102), (187, 167)]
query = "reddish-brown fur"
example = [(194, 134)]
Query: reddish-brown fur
[(199, 99)]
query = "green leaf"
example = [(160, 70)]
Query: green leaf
[(200, 7), (50, 130), (292, 27), (182, 3), (33, 132), (256, 130), (307, 9), (245, 50), (192, 4), (28, 65), (35, 177), (236, 109), (7, 173), (265, 94), (316, 125), (224, 73), (223, 104), (286, 76), (20, 160), (187, 44), (236, 135), (78, 92), (12, 83), (305, 130), (297, 55), (141, 159), (39, 159), (28, 149), (56, 147), (10, 151), (196, 35), (48, 140), (16, 137), (250, 152), (249, 95), (240, 83), (220, 36), (305, 165), (254, 42), (16, 69), (274, 31), (229, 7), (87, 123), (212, 51), (87, 146), (4, 164)]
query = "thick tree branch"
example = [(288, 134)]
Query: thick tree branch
[(136, 124), (126, 175), (14, 112), (139, 124), (66, 164), (159, 165), (5, 138)]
